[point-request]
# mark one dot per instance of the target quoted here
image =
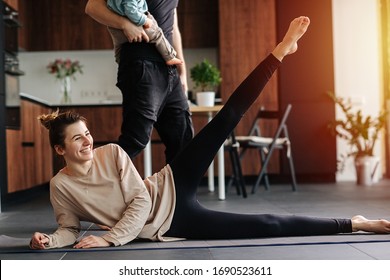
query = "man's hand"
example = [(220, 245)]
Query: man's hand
[(91, 241), (184, 83), (134, 33), (38, 241)]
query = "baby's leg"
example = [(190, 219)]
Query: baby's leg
[(163, 46)]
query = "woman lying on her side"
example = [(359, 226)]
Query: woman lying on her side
[(102, 185)]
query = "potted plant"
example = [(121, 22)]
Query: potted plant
[(207, 77), (361, 133)]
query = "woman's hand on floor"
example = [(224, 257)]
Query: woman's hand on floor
[(38, 241), (91, 241)]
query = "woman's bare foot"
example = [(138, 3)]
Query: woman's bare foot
[(174, 61), (289, 43), (376, 226)]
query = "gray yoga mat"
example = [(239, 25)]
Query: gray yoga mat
[(9, 244)]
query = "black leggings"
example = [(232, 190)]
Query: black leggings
[(192, 220)]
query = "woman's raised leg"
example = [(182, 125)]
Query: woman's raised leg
[(190, 164), (191, 220)]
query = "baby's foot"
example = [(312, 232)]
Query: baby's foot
[(174, 61), (289, 43), (376, 226)]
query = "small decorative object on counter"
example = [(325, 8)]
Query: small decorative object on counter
[(63, 70)]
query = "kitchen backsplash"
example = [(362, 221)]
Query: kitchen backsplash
[(96, 84)]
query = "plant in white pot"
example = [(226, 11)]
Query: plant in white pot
[(207, 77), (361, 133)]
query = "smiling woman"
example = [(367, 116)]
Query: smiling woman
[(75, 144), (109, 191), (70, 139)]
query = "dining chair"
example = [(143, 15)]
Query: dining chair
[(265, 145), (233, 147)]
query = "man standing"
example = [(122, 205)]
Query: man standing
[(153, 92)]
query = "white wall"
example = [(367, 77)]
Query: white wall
[(356, 34), (95, 84), (98, 78)]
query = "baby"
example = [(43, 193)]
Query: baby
[(137, 12)]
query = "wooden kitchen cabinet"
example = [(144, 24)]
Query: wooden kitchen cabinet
[(29, 156), (64, 25), (247, 32), (198, 23), (60, 25), (35, 145), (15, 169)]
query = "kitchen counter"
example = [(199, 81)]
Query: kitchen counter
[(78, 103)]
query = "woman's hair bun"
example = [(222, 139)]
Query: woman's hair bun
[(47, 119)]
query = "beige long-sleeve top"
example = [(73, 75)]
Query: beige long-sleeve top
[(112, 194)]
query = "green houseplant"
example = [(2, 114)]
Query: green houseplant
[(360, 132), (205, 75)]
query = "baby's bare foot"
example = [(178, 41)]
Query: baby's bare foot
[(289, 44), (376, 226), (174, 61)]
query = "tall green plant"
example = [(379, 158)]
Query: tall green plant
[(361, 133)]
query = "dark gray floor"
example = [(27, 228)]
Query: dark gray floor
[(341, 200)]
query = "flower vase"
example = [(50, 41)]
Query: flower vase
[(65, 89)]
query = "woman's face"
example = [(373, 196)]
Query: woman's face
[(78, 143)]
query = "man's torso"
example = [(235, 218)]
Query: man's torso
[(163, 12)]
